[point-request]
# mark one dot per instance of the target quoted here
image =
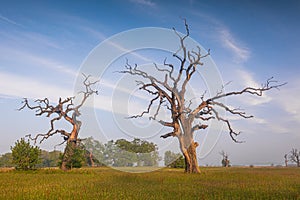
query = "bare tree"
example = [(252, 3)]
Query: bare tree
[(295, 156), (170, 92), (286, 160), (64, 110), (225, 160)]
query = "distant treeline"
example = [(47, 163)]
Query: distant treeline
[(93, 153), (119, 153)]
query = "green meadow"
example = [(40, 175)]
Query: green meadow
[(107, 183)]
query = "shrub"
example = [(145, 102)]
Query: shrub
[(25, 156)]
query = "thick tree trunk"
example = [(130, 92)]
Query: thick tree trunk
[(191, 164), (91, 159), (71, 144), (188, 148), (67, 156)]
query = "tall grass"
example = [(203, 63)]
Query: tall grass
[(105, 183)]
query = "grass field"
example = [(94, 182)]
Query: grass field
[(106, 183)]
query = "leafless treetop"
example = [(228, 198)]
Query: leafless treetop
[(64, 109)]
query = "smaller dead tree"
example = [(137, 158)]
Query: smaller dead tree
[(286, 160), (66, 110), (295, 157), (225, 160)]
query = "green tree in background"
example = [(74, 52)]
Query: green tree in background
[(49, 159), (75, 159), (6, 160), (94, 152), (174, 160), (138, 151), (225, 161), (25, 156)]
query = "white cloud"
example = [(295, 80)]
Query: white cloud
[(117, 106), (3, 18), (16, 86), (49, 63), (125, 50), (144, 2), (36, 38), (93, 32), (240, 52), (289, 99), (36, 60), (246, 79), (133, 92)]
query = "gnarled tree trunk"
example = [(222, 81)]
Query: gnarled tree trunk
[(67, 156), (188, 149), (72, 141)]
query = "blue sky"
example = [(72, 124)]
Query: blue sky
[(44, 43)]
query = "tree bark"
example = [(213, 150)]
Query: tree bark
[(192, 166), (72, 141), (188, 149), (68, 154), (91, 159)]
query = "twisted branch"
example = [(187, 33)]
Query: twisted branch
[(65, 109)]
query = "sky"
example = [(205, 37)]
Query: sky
[(45, 45)]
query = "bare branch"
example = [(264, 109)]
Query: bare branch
[(161, 101), (295, 156), (251, 90), (88, 90), (63, 108), (153, 81), (198, 127), (147, 111), (169, 124), (232, 133), (170, 71), (232, 111), (168, 135)]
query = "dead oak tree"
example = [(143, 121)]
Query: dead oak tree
[(295, 157), (286, 160), (64, 110), (225, 160), (170, 93)]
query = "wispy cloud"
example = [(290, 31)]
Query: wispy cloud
[(242, 79), (16, 86), (219, 30), (247, 80), (49, 63), (289, 99), (37, 60), (10, 21), (125, 50), (112, 87), (93, 32), (37, 38), (30, 39), (241, 53), (144, 2)]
